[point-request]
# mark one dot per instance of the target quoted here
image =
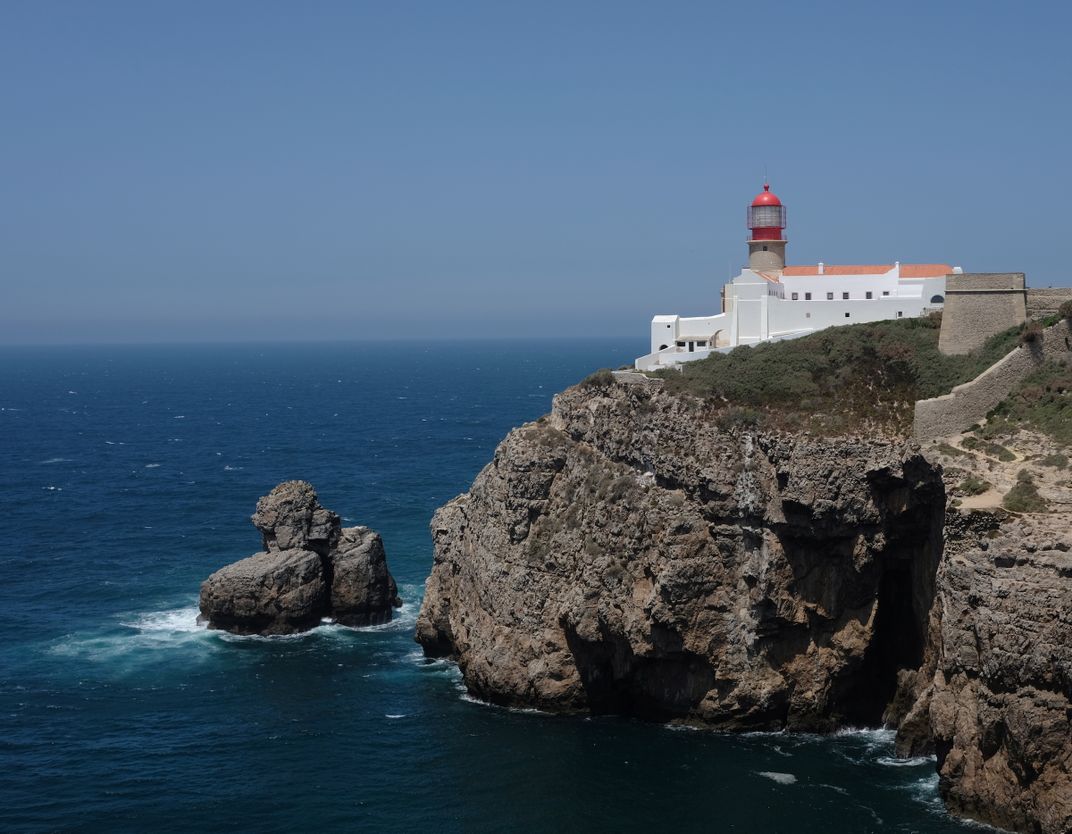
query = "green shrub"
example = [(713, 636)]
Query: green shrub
[(1031, 332), (1057, 461), (600, 379), (1043, 401), (1065, 310), (994, 450), (950, 451), (1024, 496), (738, 418), (842, 378), (974, 485)]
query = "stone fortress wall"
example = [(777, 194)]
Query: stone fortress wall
[(1045, 301), (969, 403), (979, 305)]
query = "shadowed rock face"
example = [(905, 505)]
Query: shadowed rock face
[(994, 695), (628, 555), (311, 568)]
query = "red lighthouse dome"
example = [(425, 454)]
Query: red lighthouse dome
[(766, 198), (766, 216)]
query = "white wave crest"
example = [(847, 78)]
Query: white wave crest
[(149, 633), (775, 776), (915, 761)]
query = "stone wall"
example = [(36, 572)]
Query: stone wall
[(969, 403), (1045, 301), (978, 305)]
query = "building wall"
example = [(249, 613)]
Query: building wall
[(1045, 301), (969, 403), (978, 305), (790, 316)]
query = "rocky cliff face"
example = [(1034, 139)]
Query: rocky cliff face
[(311, 568), (628, 554), (993, 698), (634, 553)]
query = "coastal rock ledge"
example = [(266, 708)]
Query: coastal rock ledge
[(635, 553), (311, 568)]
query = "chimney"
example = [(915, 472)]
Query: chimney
[(822, 267)]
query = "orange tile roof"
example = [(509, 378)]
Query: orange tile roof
[(907, 270), (925, 270), (834, 269)]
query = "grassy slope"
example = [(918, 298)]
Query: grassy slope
[(1042, 402), (857, 377)]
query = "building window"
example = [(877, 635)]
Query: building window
[(796, 296), (899, 314), (807, 296), (701, 344), (681, 344), (663, 347), (937, 299), (829, 296), (846, 315), (870, 294), (885, 292), (807, 315), (845, 296)]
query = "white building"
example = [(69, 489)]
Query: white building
[(770, 301)]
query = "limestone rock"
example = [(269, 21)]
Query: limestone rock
[(628, 555), (363, 592), (290, 516), (999, 696), (311, 569), (267, 593)]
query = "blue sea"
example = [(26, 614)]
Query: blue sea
[(128, 474)]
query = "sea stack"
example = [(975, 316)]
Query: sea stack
[(310, 568)]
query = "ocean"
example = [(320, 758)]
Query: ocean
[(128, 474)]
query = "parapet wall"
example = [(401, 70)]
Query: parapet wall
[(1045, 301), (969, 403), (978, 305)]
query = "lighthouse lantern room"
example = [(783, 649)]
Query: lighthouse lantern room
[(766, 238)]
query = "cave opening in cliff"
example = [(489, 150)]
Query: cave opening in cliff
[(904, 575), (897, 643)]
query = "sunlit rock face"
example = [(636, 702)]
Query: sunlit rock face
[(628, 554)]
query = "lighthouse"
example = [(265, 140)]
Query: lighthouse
[(770, 301), (766, 232)]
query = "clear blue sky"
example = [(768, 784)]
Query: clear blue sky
[(261, 170)]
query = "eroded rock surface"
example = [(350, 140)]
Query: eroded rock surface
[(628, 554), (995, 695), (311, 568)]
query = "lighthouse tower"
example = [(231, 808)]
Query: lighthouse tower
[(766, 238)]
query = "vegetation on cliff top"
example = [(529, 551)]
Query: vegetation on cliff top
[(839, 379), (1043, 401)]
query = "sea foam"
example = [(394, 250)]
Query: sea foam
[(775, 776)]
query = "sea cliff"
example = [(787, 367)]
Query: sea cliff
[(639, 552)]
